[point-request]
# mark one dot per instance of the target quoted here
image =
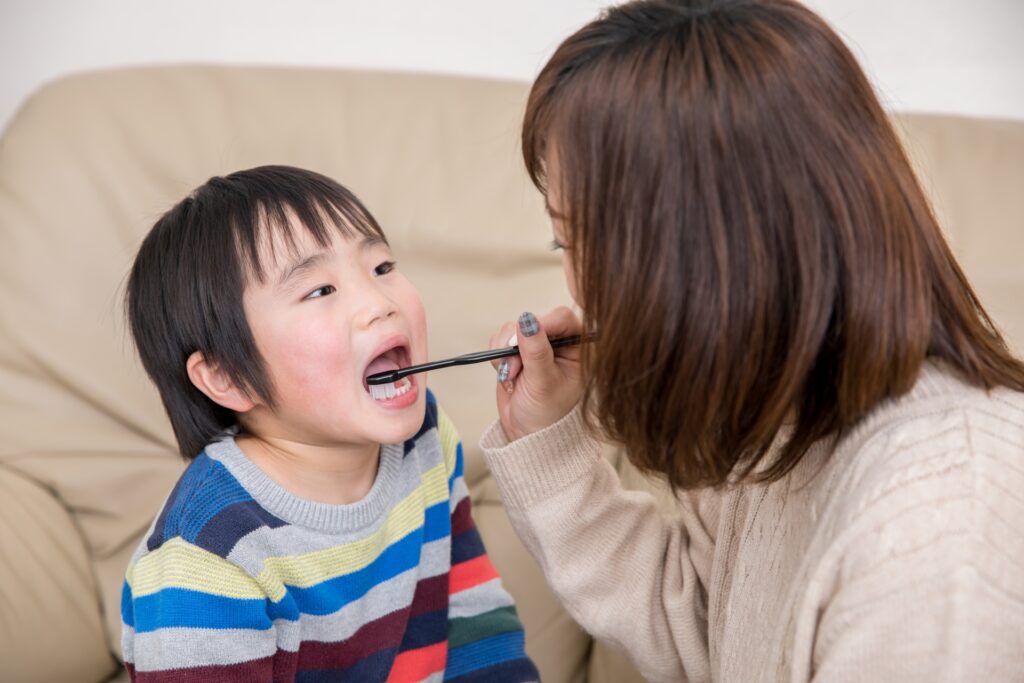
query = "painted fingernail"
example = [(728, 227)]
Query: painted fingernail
[(503, 372), (528, 324), (509, 386)]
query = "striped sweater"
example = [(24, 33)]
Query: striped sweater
[(239, 580)]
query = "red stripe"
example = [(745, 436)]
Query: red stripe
[(431, 595), (471, 573), (255, 670), (371, 637), (462, 519), (415, 665)]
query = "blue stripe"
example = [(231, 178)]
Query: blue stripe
[(180, 607), (467, 546), (429, 422), (375, 667), (329, 596), (204, 490), (504, 647), (514, 671), (223, 531), (425, 629), (127, 612), (457, 472)]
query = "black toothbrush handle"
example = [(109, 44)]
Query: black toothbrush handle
[(467, 359)]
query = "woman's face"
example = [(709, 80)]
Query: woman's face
[(553, 204)]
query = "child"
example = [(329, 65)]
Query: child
[(318, 533)]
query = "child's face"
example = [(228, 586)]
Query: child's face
[(324, 321)]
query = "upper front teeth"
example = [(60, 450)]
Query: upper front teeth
[(383, 392)]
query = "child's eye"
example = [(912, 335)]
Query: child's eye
[(384, 268), (556, 245), (321, 291)]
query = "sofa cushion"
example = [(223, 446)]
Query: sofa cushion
[(50, 629)]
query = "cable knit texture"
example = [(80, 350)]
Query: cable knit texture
[(895, 554)]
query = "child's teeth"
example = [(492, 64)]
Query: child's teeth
[(383, 392)]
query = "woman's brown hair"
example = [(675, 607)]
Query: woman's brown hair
[(747, 233)]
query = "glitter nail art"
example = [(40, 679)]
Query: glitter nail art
[(528, 324)]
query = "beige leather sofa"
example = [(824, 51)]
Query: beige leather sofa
[(89, 162)]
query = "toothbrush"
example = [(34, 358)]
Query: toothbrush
[(385, 378)]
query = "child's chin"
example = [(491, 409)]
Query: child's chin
[(404, 424)]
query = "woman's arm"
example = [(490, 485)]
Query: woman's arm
[(625, 572)]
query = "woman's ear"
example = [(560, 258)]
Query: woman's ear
[(215, 383)]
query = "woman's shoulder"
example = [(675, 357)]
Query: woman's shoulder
[(941, 467), (941, 414)]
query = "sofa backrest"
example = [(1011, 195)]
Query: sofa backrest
[(91, 161)]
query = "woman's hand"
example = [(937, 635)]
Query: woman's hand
[(541, 385)]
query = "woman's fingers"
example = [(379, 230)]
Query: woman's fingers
[(561, 322), (500, 340), (540, 384), (508, 367)]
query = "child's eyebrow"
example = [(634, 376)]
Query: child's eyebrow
[(299, 267), (312, 261)]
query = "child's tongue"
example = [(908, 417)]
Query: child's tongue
[(381, 364)]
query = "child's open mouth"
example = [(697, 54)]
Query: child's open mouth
[(394, 356)]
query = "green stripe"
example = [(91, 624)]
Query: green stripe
[(464, 630)]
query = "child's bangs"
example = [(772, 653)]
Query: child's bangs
[(269, 238)]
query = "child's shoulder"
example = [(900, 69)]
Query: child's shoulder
[(436, 427), (208, 508), (437, 441)]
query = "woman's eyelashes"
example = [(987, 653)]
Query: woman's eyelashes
[(556, 245)]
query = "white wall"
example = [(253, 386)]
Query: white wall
[(958, 56)]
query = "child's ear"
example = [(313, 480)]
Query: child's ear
[(214, 382)]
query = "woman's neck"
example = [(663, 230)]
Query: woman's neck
[(337, 476)]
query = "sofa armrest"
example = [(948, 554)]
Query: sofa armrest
[(46, 587)]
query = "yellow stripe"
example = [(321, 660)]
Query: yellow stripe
[(315, 567), (179, 564), (449, 439)]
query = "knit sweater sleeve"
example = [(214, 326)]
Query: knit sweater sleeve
[(622, 569), (189, 614), (485, 636)]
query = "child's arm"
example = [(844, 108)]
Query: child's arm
[(485, 636), (188, 614)]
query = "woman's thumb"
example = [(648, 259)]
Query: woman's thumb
[(534, 346)]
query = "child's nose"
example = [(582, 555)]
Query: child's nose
[(376, 306)]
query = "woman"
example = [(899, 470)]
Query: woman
[(785, 337)]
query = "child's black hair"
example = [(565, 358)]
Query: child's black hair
[(186, 286)]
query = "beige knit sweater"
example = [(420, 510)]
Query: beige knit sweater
[(896, 555)]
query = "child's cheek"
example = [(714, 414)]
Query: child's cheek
[(317, 358), (418, 322)]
